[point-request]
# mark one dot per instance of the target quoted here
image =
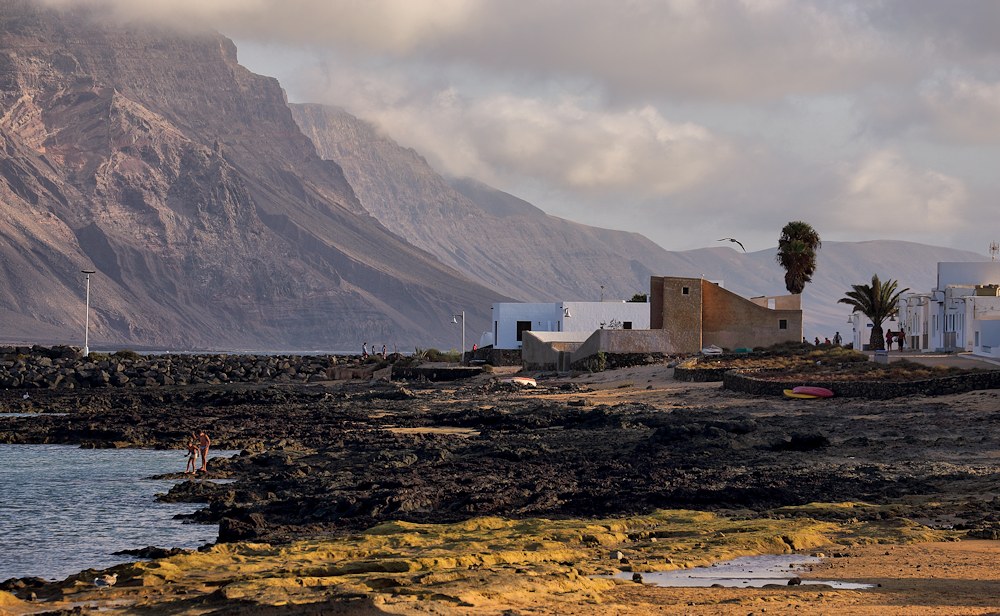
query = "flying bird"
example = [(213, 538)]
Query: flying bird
[(733, 240), (104, 581)]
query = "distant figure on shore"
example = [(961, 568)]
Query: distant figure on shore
[(364, 350), (837, 340), (816, 342), (901, 338), (384, 354), (888, 340), (192, 446), (827, 341), (203, 443)]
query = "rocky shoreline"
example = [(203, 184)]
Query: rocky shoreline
[(325, 458)]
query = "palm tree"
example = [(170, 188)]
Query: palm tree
[(877, 301), (797, 248)]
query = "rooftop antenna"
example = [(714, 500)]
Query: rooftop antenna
[(994, 250)]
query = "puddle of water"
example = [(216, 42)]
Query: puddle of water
[(743, 572)]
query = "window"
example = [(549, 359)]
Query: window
[(782, 323), (685, 290), (521, 327), (626, 324)]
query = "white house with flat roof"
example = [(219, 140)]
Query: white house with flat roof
[(962, 313), (511, 320)]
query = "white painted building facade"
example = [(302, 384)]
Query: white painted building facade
[(962, 313), (511, 320)]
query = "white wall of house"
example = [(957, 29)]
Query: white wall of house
[(951, 317), (986, 337), (552, 317), (967, 273)]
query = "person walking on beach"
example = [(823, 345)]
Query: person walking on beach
[(888, 340), (837, 340), (203, 443), (364, 350), (192, 454)]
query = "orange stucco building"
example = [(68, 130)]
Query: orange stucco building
[(695, 313)]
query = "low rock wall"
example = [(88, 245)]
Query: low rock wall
[(752, 382), (700, 375), (66, 368), (415, 373)]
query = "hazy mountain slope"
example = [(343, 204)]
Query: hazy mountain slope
[(181, 177), (510, 244), (492, 237)]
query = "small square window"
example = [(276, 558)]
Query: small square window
[(782, 323), (685, 291), (627, 325)]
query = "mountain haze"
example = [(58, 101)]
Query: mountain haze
[(181, 177), (493, 237)]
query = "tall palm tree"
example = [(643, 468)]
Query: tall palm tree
[(797, 248), (877, 301)]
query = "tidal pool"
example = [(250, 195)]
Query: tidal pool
[(743, 572)]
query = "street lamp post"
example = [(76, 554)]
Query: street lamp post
[(454, 319), (86, 320)]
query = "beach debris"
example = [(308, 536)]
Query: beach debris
[(106, 580), (637, 578), (795, 581), (616, 555)]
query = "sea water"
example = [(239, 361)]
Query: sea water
[(64, 509), (743, 572)]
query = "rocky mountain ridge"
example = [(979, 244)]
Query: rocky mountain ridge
[(180, 176)]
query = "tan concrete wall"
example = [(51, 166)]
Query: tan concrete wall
[(656, 302), (625, 341), (678, 314), (535, 353), (731, 321)]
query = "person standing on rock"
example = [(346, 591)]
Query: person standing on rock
[(192, 464), (364, 350), (383, 352), (203, 444)]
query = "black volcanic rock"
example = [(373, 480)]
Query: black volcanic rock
[(180, 176)]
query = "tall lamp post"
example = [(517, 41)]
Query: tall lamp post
[(454, 319), (86, 320)]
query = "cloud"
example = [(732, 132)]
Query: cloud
[(963, 110), (567, 143), (753, 50), (886, 194)]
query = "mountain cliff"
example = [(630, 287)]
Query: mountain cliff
[(181, 177), (492, 237)]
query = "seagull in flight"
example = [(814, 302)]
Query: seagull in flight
[(733, 240)]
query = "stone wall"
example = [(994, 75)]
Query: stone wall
[(66, 368), (750, 382)]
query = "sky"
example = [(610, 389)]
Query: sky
[(684, 120)]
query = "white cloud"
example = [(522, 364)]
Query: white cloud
[(964, 110), (569, 144), (886, 194)]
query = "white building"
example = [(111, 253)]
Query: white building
[(511, 320), (962, 313)]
